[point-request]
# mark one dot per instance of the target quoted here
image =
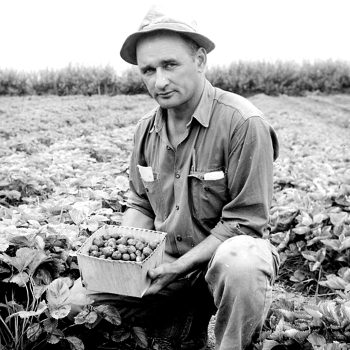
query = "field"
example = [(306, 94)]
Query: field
[(64, 166)]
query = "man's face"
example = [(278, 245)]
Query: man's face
[(170, 71)]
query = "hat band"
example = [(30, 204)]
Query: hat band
[(176, 26)]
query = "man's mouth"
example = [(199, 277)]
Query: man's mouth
[(165, 94)]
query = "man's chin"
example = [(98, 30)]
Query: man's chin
[(166, 103)]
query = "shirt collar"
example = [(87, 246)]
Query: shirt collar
[(202, 113)]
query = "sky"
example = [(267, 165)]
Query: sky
[(40, 34)]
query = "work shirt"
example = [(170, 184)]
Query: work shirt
[(218, 180)]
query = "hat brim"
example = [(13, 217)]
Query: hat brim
[(128, 50)]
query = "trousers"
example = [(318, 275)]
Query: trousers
[(236, 285)]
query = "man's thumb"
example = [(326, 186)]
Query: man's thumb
[(152, 273)]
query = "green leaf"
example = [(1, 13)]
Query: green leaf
[(345, 309), (4, 269), (309, 255), (42, 276), (314, 266), (345, 244), (298, 276), (39, 257), (334, 282), (287, 314), (316, 340), (291, 333), (22, 241), (140, 337), (109, 313), (120, 335), (320, 255), (338, 219), (88, 317), (24, 257), (57, 295), (33, 332), (4, 244), (92, 317), (40, 309), (344, 273), (75, 343), (54, 339), (305, 219), (80, 318), (60, 312), (57, 292), (313, 310), (332, 243), (122, 183), (301, 230), (92, 225), (50, 325), (319, 218), (77, 215), (39, 242), (21, 279), (331, 311)]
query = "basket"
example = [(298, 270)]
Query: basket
[(118, 276)]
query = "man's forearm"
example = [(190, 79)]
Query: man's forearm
[(198, 255), (134, 218), (193, 259)]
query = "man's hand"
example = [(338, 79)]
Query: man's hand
[(166, 273), (161, 276)]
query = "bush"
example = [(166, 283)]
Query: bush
[(245, 78)]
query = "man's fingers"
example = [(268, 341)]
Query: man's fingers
[(152, 274), (153, 288)]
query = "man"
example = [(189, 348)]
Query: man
[(201, 170)]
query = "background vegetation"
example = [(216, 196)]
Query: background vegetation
[(245, 78), (64, 175)]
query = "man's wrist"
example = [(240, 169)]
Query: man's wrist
[(181, 267)]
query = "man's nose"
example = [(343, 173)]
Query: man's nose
[(161, 80)]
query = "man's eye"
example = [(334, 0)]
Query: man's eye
[(170, 65), (148, 71)]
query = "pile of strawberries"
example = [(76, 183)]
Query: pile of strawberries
[(119, 247)]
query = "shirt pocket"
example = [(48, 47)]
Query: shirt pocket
[(207, 198), (154, 193)]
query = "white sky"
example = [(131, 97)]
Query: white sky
[(38, 34)]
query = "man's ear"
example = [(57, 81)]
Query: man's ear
[(201, 59)]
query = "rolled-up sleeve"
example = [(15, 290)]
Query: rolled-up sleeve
[(253, 148), (137, 197)]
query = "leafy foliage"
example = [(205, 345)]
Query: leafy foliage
[(245, 78), (64, 175)]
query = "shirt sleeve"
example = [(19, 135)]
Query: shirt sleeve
[(137, 197), (253, 148)]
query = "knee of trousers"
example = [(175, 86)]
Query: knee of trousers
[(240, 262)]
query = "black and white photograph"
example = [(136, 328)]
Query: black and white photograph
[(174, 175)]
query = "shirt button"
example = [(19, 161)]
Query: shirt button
[(177, 175), (177, 207), (179, 238)]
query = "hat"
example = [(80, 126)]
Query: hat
[(155, 20)]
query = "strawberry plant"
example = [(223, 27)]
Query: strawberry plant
[(65, 177)]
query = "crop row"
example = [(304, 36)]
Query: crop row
[(245, 78)]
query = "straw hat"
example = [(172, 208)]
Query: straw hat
[(155, 20)]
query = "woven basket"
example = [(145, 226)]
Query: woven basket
[(118, 276)]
